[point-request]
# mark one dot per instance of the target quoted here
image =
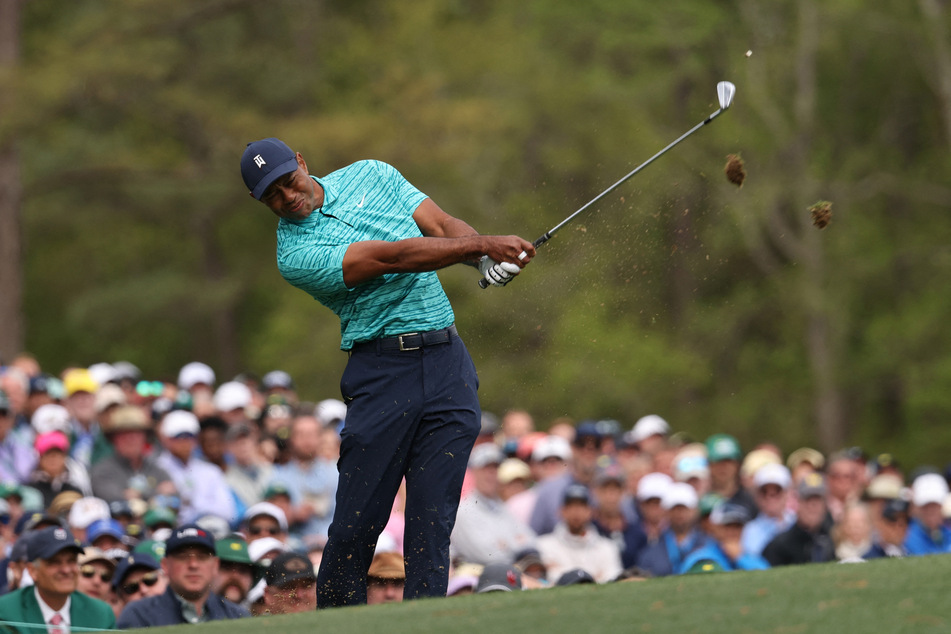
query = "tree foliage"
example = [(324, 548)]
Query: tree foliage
[(716, 307)]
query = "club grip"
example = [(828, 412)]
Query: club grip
[(484, 283)]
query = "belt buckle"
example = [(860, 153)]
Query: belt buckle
[(404, 348)]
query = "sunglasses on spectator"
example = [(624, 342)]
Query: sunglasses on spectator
[(149, 579), (90, 571), (270, 530)]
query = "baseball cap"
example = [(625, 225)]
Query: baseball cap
[(884, 486), (189, 535), (232, 395), (388, 565), (458, 583), (653, 485), (130, 562), (106, 526), (63, 501), (690, 466), (576, 493), (91, 554), (756, 460), (772, 473), (109, 395), (127, 418), (726, 513), (261, 547), (722, 447), (528, 557), (50, 417), (587, 429), (499, 578), (574, 576), (894, 508), (277, 379), (704, 565), (331, 411), (266, 508), (680, 494), (513, 469), (125, 370), (552, 447), (194, 373), (647, 426), (805, 454), (610, 474), (290, 566), (265, 161), (929, 488), (812, 485), (485, 454), (47, 542), (234, 549), (151, 547), (79, 380), (51, 440), (275, 489), (178, 422), (159, 515)]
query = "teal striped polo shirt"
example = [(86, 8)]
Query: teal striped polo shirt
[(368, 200)]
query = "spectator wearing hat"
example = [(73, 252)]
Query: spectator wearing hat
[(86, 441), (576, 543), (485, 530), (191, 566), (515, 477), (650, 434), (55, 472), (516, 424), (198, 380), (881, 489), (609, 517), (808, 539), (138, 576), (666, 555), (211, 440), (927, 533), (770, 486), (802, 462), (106, 535), (132, 471), (84, 512), (13, 567), (651, 490), (265, 519), (310, 479), (291, 585), (232, 401), (548, 459), (16, 458), (200, 484), (724, 552), (891, 529), (53, 600), (690, 466), (723, 458), (499, 577), (583, 466), (235, 569), (386, 578), (95, 578), (249, 472)]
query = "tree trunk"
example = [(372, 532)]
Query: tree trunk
[(11, 195)]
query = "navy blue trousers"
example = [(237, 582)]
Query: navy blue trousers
[(409, 414)]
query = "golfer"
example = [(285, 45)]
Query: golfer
[(366, 243)]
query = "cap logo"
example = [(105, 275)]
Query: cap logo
[(59, 534), (510, 577), (295, 565), (259, 161), (190, 532)]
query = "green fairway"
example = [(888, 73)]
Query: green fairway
[(908, 595)]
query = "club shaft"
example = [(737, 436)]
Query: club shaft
[(548, 234)]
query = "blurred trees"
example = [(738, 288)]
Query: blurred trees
[(718, 308)]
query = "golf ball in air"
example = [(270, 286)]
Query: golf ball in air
[(748, 53)]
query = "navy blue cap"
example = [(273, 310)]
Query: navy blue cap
[(265, 161), (127, 563), (19, 549), (189, 535), (577, 493), (29, 521), (47, 542), (102, 527), (573, 576)]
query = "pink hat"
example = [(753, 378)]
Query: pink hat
[(51, 440)]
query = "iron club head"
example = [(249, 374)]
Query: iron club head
[(725, 92)]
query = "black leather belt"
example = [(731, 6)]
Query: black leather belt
[(408, 342)]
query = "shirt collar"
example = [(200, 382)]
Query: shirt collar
[(48, 612), (190, 612)]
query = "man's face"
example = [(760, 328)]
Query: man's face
[(930, 515), (57, 575), (129, 444), (233, 581), (384, 591), (841, 479), (723, 472), (812, 511), (212, 443), (140, 583), (305, 438), (263, 526), (296, 596), (577, 515), (893, 531), (609, 495), (181, 446), (771, 500), (682, 518), (295, 195), (486, 480), (191, 572), (82, 405), (94, 579), (651, 510), (53, 462)]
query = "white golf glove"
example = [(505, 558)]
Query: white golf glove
[(498, 273)]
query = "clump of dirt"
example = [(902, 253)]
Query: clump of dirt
[(821, 213), (735, 172)]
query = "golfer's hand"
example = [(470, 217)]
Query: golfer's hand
[(498, 273)]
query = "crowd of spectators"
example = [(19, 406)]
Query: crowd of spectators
[(196, 500)]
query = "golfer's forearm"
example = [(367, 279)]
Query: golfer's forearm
[(367, 260)]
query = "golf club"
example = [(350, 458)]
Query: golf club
[(725, 92)]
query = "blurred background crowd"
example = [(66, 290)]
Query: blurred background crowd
[(125, 464)]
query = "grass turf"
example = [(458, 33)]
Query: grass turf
[(904, 595)]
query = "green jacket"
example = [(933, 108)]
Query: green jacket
[(20, 606)]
